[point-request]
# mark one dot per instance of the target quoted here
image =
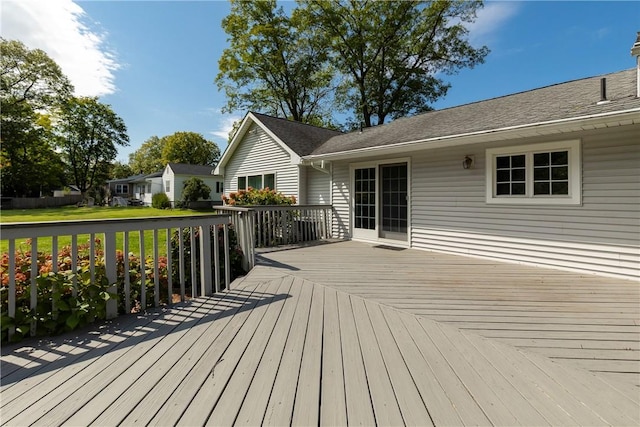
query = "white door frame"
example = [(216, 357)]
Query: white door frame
[(373, 235)]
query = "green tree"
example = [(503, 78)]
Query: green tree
[(148, 158), (89, 134), (120, 170), (274, 65), (32, 87), (194, 190), (391, 52), (191, 148)]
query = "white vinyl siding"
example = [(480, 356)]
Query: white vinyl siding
[(449, 212), (318, 187), (340, 200), (259, 154)]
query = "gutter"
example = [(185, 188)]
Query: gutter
[(509, 132)]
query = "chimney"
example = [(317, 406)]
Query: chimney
[(635, 51)]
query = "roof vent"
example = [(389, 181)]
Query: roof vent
[(603, 91)]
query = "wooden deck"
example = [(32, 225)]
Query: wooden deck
[(281, 348)]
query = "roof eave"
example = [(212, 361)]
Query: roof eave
[(611, 119)]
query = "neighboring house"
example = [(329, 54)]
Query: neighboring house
[(122, 187), (146, 186), (547, 177), (174, 176), (268, 151)]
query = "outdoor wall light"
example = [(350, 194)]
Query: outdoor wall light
[(467, 163)]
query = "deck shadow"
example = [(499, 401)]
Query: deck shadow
[(41, 355)]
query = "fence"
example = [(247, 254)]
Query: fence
[(207, 272), (270, 226)]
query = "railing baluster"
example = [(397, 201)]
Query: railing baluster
[(169, 269), (111, 270), (34, 284), (181, 263), (156, 270), (12, 285), (92, 256), (227, 256), (216, 259), (74, 264), (205, 254), (194, 290), (127, 269), (143, 272)]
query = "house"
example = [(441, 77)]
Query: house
[(122, 187), (174, 176), (170, 181), (548, 177), (144, 187), (268, 151)]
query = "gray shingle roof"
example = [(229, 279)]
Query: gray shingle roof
[(577, 98), (187, 169), (301, 138)]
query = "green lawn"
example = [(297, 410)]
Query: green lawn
[(69, 213)]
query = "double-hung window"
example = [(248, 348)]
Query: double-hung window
[(546, 173)]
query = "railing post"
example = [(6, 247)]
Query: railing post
[(227, 258), (111, 270)]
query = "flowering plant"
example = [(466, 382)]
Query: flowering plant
[(253, 197)]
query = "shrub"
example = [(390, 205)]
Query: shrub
[(160, 201), (254, 197), (235, 254), (194, 190), (57, 309)]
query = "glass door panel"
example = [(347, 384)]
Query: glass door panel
[(394, 203), (364, 194)]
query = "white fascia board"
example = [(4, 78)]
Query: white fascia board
[(613, 119)]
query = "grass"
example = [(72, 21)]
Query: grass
[(72, 213)]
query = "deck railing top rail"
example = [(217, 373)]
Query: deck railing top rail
[(15, 230)]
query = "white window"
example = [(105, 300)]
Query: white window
[(258, 182), (219, 187), (122, 188), (546, 173), (167, 186)]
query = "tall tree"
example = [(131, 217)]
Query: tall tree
[(120, 170), (274, 65), (90, 133), (32, 86), (148, 158), (393, 51), (189, 147)]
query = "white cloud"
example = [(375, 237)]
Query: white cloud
[(59, 28), (490, 18), (225, 125)]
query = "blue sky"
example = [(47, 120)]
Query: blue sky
[(155, 62)]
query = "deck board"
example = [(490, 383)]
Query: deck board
[(281, 349), (538, 307)]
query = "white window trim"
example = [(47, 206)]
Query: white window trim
[(575, 174)]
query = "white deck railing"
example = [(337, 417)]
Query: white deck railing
[(191, 229), (270, 226)]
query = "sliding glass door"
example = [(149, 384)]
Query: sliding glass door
[(380, 202)]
